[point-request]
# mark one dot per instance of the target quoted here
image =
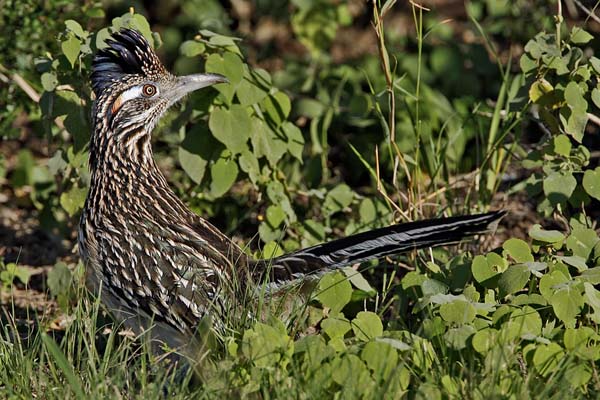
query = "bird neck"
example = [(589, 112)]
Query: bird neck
[(124, 154)]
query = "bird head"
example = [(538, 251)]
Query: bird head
[(132, 87)]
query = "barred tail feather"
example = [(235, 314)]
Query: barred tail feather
[(381, 242)]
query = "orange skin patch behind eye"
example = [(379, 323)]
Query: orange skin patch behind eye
[(116, 105), (128, 94)]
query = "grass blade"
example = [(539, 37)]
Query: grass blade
[(64, 365)]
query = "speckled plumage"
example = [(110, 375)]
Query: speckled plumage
[(156, 261)]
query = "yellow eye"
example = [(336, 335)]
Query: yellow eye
[(149, 90)]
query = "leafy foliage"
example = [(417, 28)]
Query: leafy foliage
[(558, 76), (518, 320)]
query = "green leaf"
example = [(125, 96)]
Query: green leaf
[(192, 48), (73, 200), (458, 312), (275, 215), (195, 151), (559, 187), (223, 174), (266, 142), (592, 298), (538, 89), (581, 242), (231, 66), (484, 340), (596, 97), (381, 358), (295, 139), (338, 345), (367, 326), (23, 173), (591, 275), (334, 291), (580, 36), (222, 41), (338, 198), (551, 282), (577, 338), (527, 63), (309, 108), (574, 96), (486, 269), (249, 164), (74, 27), (432, 287), (59, 279), (76, 159), (266, 345), (413, 279), (591, 182), (277, 106), (68, 103), (358, 281), (12, 271), (513, 279), (348, 370), (562, 145), (578, 375), (518, 250), (595, 63), (574, 261), (336, 327), (536, 267), (71, 48), (457, 338), (249, 92), (547, 357), (536, 232), (524, 322), (271, 250), (277, 195), (49, 81), (367, 211), (567, 302), (140, 23), (574, 121), (101, 37), (57, 163), (95, 12), (267, 233), (231, 127)]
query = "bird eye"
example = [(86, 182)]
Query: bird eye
[(149, 90)]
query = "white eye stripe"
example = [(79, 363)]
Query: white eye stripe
[(129, 94), (134, 92)]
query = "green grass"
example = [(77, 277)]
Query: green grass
[(85, 361), (318, 353)]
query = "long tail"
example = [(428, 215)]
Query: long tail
[(381, 242)]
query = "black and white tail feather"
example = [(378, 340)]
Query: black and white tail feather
[(378, 243)]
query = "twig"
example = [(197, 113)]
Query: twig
[(381, 190), (590, 13), (593, 118), (26, 87), (22, 83)]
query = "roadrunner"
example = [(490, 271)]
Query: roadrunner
[(155, 261)]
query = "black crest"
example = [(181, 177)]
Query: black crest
[(128, 53)]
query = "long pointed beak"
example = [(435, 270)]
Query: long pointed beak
[(189, 83)]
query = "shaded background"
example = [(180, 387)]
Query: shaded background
[(315, 50)]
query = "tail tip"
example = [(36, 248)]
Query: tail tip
[(495, 216)]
